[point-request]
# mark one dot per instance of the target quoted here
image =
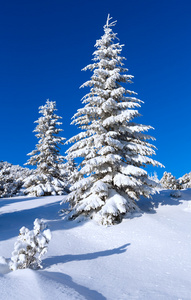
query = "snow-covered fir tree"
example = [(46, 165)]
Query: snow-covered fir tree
[(48, 177), (168, 181), (185, 181), (12, 179), (69, 169), (30, 246), (113, 148), (154, 177)]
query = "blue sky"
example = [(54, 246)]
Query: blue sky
[(44, 45)]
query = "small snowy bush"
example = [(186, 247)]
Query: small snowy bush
[(175, 194), (30, 246)]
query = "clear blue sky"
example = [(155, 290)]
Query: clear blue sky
[(44, 44)]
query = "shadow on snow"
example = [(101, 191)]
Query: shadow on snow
[(12, 221), (48, 262), (7, 201), (68, 281), (163, 198)]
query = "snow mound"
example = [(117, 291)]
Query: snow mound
[(30, 285)]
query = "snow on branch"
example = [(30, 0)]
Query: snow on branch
[(108, 24)]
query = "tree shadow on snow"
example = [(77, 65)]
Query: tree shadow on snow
[(7, 201), (81, 257), (12, 221), (163, 198), (66, 280)]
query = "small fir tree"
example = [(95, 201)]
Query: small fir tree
[(185, 181), (154, 177), (112, 147), (12, 179), (168, 181), (30, 246), (48, 178)]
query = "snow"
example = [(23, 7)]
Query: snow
[(144, 257)]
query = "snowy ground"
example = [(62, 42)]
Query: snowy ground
[(145, 257)]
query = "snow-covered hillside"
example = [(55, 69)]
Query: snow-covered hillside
[(144, 257)]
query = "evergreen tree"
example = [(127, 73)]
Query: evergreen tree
[(111, 146), (185, 181), (69, 168), (154, 177), (168, 181), (48, 178), (11, 179)]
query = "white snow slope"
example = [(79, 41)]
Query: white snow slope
[(145, 257)]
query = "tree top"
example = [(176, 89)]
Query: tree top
[(107, 25)]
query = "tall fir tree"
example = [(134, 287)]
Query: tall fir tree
[(48, 178), (113, 148)]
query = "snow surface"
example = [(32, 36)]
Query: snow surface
[(145, 257)]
